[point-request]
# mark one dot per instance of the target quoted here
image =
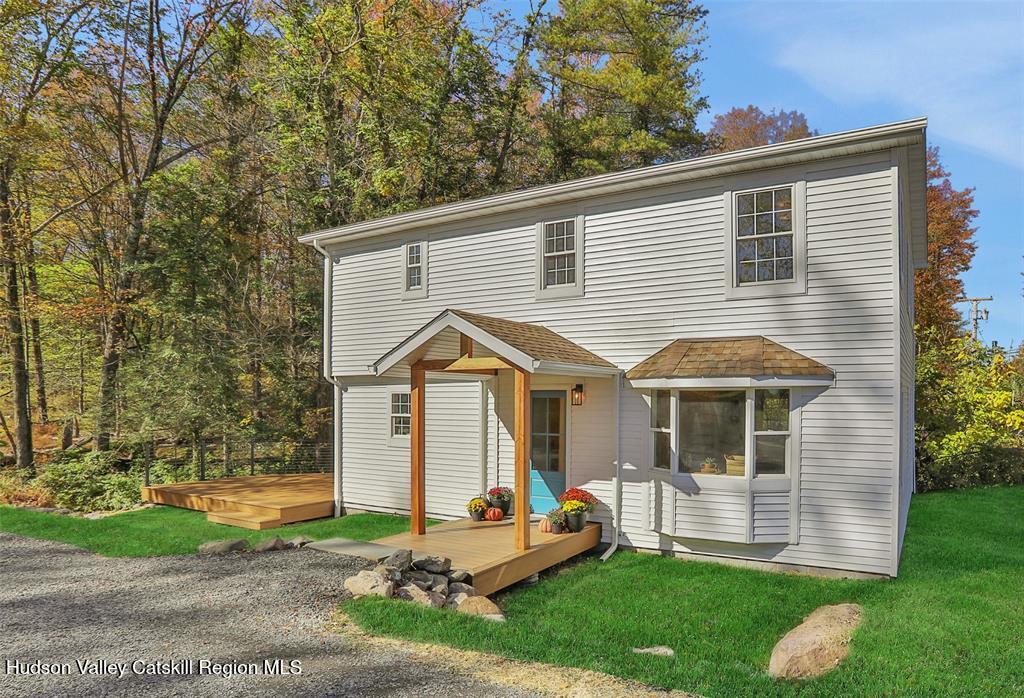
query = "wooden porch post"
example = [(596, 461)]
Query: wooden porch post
[(417, 480), (522, 459)]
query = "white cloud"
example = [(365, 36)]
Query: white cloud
[(960, 65)]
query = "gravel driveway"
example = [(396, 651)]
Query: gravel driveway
[(59, 604)]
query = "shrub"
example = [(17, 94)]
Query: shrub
[(17, 490), (986, 465), (91, 482)]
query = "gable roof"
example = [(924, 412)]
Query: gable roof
[(874, 138), (532, 347), (727, 357)]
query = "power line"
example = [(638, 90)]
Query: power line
[(977, 312)]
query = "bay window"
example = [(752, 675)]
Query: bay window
[(704, 432)]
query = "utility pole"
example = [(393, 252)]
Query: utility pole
[(977, 313)]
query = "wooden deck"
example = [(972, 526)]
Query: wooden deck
[(487, 549), (257, 502)]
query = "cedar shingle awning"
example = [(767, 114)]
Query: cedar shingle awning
[(743, 358), (534, 348)]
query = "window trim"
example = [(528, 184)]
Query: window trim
[(421, 290), (749, 480), (574, 290), (767, 289), (397, 440)]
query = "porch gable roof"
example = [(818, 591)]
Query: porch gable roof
[(533, 348), (752, 357)]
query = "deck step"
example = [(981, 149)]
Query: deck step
[(243, 519)]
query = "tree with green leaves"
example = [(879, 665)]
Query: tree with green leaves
[(622, 84)]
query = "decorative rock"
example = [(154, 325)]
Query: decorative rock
[(460, 588), (419, 576), (658, 650), (432, 563), (95, 516), (481, 606), (402, 559), (220, 547), (369, 583), (458, 575), (439, 583), (531, 580), (413, 593), (391, 573), (265, 546), (454, 600), (817, 645), (299, 542)]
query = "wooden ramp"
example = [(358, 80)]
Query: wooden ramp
[(256, 502), (486, 549)]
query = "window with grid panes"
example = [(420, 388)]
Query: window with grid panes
[(414, 266), (764, 236), (401, 414), (560, 253)]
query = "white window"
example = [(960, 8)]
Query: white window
[(560, 258), (771, 432), (414, 270), (401, 414), (764, 236), (766, 241), (708, 433), (661, 429)]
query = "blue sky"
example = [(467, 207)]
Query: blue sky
[(848, 65)]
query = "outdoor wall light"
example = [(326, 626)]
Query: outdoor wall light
[(577, 394)]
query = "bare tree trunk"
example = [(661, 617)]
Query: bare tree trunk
[(37, 344), (15, 328)]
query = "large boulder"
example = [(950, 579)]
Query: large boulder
[(265, 546), (425, 597), (817, 645), (432, 563), (402, 559), (392, 573), (221, 547), (370, 583), (480, 606)]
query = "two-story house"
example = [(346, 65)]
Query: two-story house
[(720, 349)]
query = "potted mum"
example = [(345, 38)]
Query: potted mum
[(500, 497), (476, 508), (556, 517), (577, 504)]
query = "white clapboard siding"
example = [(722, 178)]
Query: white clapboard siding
[(770, 517), (655, 272), (376, 472)]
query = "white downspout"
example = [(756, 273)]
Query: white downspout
[(617, 477), (339, 499)]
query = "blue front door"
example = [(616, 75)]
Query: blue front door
[(547, 449)]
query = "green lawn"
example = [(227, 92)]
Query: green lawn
[(171, 531), (951, 624)]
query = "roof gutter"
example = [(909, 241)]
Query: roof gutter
[(327, 368), (880, 137)]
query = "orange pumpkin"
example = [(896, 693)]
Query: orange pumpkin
[(494, 514), (544, 526)]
